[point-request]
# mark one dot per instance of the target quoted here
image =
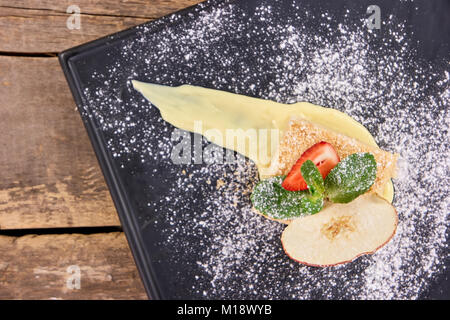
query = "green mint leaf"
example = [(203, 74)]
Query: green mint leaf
[(351, 177), (272, 200), (311, 204), (313, 178)]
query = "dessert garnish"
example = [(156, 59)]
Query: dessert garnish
[(323, 155), (341, 183), (333, 220)]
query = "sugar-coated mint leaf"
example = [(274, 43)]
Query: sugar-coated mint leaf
[(313, 178), (351, 177), (311, 204), (272, 200)]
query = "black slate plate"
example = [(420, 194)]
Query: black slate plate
[(190, 226)]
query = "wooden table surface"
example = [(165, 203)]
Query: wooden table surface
[(60, 236)]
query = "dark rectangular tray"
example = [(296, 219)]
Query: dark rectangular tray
[(177, 257)]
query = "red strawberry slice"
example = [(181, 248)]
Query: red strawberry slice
[(324, 157)]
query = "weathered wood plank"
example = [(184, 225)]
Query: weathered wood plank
[(36, 267), (46, 31), (41, 26), (135, 8), (49, 175)]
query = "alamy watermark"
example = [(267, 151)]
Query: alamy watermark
[(374, 20), (74, 279), (257, 144), (74, 20)]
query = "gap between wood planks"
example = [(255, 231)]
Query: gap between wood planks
[(65, 230), (29, 54), (82, 13)]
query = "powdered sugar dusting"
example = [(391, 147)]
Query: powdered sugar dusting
[(204, 211)]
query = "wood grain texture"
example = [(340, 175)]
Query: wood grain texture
[(36, 267), (49, 175), (41, 26), (127, 8)]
